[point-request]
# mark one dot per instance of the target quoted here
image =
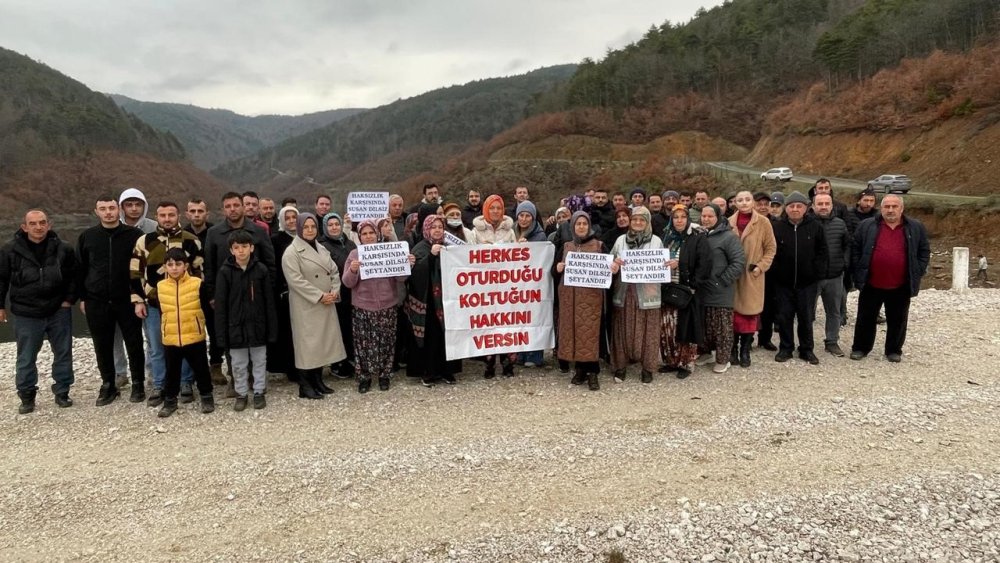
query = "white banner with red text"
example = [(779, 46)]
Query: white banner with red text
[(497, 299)]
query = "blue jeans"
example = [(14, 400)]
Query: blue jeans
[(29, 333), (154, 349)]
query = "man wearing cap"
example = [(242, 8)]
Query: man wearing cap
[(777, 205), (800, 259), (892, 256)]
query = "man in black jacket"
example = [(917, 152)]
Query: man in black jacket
[(602, 212), (800, 259), (891, 256), (103, 253), (37, 272), (831, 279), (472, 209)]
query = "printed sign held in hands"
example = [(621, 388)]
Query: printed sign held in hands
[(588, 269), (384, 260), (367, 205), (645, 265)]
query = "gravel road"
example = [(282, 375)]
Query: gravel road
[(844, 461)]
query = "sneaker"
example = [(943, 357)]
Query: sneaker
[(894, 358), (705, 359), (259, 401), (783, 356), (835, 350), (809, 357), (156, 398), (683, 373), (63, 400), (187, 393), (240, 404), (167, 409), (448, 379), (858, 355), (620, 376), (721, 368), (427, 382), (138, 394)]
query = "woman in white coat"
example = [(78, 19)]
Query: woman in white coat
[(313, 290)]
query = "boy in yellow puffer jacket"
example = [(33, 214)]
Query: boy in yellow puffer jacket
[(183, 325)]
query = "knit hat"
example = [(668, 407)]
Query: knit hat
[(671, 193), (526, 207), (796, 197), (637, 191)]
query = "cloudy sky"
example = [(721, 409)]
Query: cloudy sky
[(255, 57)]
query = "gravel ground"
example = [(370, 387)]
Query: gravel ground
[(848, 461)]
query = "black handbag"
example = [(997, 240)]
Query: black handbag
[(676, 295)]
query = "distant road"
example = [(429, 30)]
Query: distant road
[(842, 183)]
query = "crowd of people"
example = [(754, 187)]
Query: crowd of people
[(277, 290)]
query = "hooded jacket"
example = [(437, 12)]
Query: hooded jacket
[(37, 290), (104, 256), (145, 224)]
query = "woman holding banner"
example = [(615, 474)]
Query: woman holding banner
[(580, 309), (313, 289), (494, 227), (425, 310), (339, 244), (691, 260), (373, 304), (635, 328)]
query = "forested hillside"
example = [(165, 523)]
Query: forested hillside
[(214, 136), (62, 144), (448, 117), (44, 114)]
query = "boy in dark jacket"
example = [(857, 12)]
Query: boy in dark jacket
[(246, 317)]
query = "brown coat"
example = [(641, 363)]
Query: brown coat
[(580, 313), (759, 247)]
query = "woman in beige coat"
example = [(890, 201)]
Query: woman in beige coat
[(313, 290), (757, 238)]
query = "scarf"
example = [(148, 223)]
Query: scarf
[(636, 239), (281, 217), (428, 223), (572, 226), (326, 219)]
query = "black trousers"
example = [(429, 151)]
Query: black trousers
[(795, 306), (102, 318), (215, 353), (197, 357), (897, 313), (767, 315)]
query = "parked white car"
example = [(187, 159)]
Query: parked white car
[(777, 174)]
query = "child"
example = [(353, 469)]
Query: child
[(246, 317), (183, 327)]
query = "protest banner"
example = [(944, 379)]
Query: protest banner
[(367, 205), (384, 260), (588, 269), (497, 299), (645, 265), (452, 240)]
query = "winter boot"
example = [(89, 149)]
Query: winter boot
[(592, 382), (734, 354), (579, 376), (27, 401), (207, 403), (107, 394), (169, 407), (306, 389), (746, 341), (321, 386)]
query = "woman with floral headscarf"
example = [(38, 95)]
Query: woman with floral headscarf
[(313, 289), (373, 303), (636, 324), (280, 354), (335, 238), (425, 310), (580, 309)]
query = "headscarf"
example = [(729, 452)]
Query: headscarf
[(718, 214), (572, 226), (410, 225), (626, 210), (369, 223), (486, 209), (674, 239), (636, 240), (380, 224), (326, 219), (281, 217), (301, 220), (428, 222)]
